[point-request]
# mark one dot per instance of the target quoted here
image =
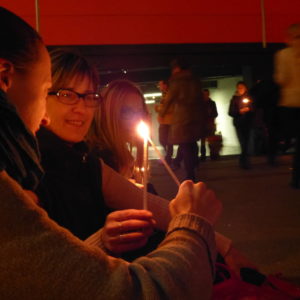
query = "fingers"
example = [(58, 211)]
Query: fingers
[(126, 241), (116, 228), (196, 198), (122, 215), (126, 230)]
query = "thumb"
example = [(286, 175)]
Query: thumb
[(186, 189)]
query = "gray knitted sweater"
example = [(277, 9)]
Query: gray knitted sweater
[(41, 260)]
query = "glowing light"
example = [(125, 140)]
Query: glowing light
[(246, 100), (150, 95), (150, 101), (143, 130)]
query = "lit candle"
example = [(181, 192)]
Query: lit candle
[(143, 131), (246, 101)]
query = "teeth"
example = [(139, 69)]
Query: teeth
[(74, 122)]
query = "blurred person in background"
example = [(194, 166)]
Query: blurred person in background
[(287, 76), (184, 99), (211, 114), (164, 122), (241, 109)]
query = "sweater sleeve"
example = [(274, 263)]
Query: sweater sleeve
[(41, 260)]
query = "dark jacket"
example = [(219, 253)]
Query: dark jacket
[(71, 188), (19, 155), (211, 114), (184, 97)]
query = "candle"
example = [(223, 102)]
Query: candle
[(245, 105), (246, 101), (143, 131), (172, 174)]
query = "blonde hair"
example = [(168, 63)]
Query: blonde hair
[(66, 65), (106, 131)]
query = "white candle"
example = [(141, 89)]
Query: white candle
[(143, 131)]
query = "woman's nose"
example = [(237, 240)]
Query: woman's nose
[(80, 106)]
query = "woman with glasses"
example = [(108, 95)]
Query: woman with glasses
[(73, 189)]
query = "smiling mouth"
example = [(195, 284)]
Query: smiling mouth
[(75, 123)]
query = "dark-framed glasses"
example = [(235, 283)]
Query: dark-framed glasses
[(70, 97)]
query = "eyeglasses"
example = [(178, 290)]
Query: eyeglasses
[(69, 97)]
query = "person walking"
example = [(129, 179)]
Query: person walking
[(287, 75), (164, 122), (184, 97)]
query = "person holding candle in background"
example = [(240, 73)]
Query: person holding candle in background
[(241, 109), (48, 260)]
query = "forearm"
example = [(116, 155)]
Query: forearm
[(55, 263), (184, 259), (119, 193)]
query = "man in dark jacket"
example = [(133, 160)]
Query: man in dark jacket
[(210, 126), (185, 97)]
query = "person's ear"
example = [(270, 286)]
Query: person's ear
[(6, 71)]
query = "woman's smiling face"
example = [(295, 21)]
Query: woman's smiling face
[(71, 122)]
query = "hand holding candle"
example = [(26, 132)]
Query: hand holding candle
[(245, 105)]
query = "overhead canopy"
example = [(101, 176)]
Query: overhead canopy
[(94, 22)]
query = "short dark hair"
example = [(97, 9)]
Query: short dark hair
[(19, 41), (179, 62), (243, 83)]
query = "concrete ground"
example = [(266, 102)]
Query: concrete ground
[(261, 213)]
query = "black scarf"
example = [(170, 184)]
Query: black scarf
[(19, 154)]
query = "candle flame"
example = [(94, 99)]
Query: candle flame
[(246, 100), (143, 130)]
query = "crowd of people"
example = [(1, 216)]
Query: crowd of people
[(70, 186), (265, 116)]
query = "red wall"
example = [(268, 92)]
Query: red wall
[(157, 21)]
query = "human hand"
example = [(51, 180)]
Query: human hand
[(244, 110), (139, 185), (127, 230), (196, 198)]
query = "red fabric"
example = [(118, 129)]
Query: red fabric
[(158, 21), (233, 288)]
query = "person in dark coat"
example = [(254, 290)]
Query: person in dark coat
[(210, 125), (241, 110), (184, 96)]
